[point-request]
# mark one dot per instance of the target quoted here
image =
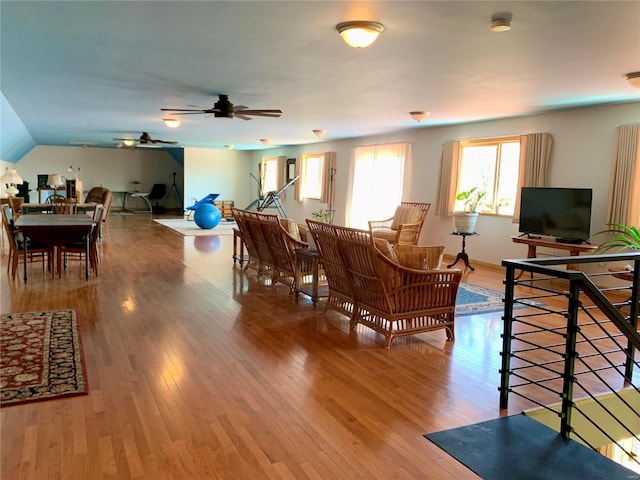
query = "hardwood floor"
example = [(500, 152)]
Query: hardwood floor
[(199, 371)]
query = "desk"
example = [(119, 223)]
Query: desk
[(54, 231), (463, 254), (53, 190), (46, 207), (574, 249), (142, 195)]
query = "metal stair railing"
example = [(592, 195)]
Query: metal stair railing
[(561, 359)]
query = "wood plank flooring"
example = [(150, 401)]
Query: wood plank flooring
[(197, 370)]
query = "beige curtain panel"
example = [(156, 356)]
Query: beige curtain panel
[(445, 197), (624, 187)]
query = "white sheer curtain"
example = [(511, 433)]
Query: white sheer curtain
[(380, 179), (624, 189)]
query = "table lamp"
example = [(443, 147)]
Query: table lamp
[(11, 178), (55, 180)]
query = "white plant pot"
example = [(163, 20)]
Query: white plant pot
[(465, 222)]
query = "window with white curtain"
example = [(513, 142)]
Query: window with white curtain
[(380, 181), (311, 175)]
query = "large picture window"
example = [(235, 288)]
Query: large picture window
[(312, 170)]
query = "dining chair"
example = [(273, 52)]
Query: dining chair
[(63, 206), (77, 250), (16, 246)]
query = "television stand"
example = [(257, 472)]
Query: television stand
[(574, 249), (570, 241)]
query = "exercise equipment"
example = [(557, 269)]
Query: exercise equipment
[(208, 199), (207, 216), (271, 200)]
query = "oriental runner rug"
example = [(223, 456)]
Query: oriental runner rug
[(40, 357)]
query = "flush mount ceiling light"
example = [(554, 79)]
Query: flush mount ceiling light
[(419, 116), (128, 142), (633, 78), (265, 141), (229, 147), (171, 122), (319, 133), (501, 22), (359, 33)]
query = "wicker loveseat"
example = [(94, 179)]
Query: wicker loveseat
[(271, 244), (369, 286)]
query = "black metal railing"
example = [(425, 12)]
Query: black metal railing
[(569, 341)]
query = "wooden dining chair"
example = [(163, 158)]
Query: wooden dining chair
[(63, 206), (77, 250), (16, 246)]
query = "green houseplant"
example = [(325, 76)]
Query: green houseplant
[(322, 215), (621, 237), (465, 220)]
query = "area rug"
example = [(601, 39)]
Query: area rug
[(189, 228), (473, 299), (40, 357), (519, 447)]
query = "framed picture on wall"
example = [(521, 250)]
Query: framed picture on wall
[(42, 180)]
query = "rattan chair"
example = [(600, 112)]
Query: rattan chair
[(404, 227), (62, 206)]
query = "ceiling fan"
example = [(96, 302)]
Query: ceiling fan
[(145, 139), (223, 108)]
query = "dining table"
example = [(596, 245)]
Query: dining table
[(55, 231)]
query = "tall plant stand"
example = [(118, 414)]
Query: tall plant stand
[(462, 255)]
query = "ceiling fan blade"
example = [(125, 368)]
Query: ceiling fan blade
[(241, 115), (240, 107), (129, 139), (163, 141), (258, 111), (262, 114), (181, 111)]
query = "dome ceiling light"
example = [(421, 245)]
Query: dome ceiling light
[(501, 22), (359, 33), (419, 116), (633, 79), (319, 133)]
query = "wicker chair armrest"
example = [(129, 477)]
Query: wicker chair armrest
[(408, 233), (380, 224)]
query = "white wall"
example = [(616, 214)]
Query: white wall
[(218, 171), (113, 168), (581, 157)]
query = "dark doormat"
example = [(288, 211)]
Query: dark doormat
[(521, 448)]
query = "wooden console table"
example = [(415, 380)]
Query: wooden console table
[(574, 249)]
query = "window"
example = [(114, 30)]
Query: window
[(269, 175), (492, 166), (381, 175), (311, 176)]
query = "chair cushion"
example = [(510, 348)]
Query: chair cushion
[(405, 214), (420, 257), (385, 234), (291, 226), (385, 248)]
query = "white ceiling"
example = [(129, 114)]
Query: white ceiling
[(94, 70)]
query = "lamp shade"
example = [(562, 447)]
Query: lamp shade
[(55, 180), (633, 78), (359, 33), (11, 176)]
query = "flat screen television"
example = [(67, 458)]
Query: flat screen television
[(564, 213)]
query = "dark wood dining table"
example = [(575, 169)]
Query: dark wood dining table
[(55, 231)]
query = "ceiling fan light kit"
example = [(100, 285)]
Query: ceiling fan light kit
[(171, 122), (633, 79), (359, 33), (419, 116)]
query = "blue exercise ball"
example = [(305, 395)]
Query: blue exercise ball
[(207, 216)]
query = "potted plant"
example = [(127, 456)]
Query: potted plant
[(465, 220), (322, 215), (622, 237)]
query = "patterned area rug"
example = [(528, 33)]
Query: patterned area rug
[(473, 300), (40, 357), (189, 228)]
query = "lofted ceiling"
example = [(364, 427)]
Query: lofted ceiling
[(93, 70)]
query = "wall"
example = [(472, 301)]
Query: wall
[(581, 157), (113, 168), (218, 171)]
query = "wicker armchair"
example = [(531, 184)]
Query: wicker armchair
[(389, 298), (404, 227)]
